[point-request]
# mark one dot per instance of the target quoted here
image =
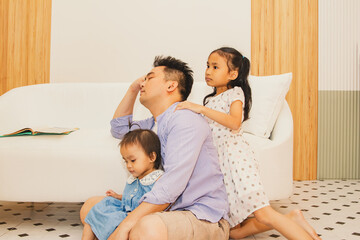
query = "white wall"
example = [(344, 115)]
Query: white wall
[(339, 45), (117, 40)]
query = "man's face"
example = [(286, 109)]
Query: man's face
[(154, 87)]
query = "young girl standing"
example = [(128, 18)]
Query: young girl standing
[(141, 151), (225, 109)]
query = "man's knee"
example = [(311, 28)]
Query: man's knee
[(149, 227)]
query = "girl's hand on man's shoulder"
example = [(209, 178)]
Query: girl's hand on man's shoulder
[(189, 105)]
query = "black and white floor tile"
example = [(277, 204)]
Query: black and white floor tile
[(20, 220), (332, 207)]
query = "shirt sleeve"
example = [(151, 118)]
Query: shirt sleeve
[(236, 94), (187, 132), (122, 125)]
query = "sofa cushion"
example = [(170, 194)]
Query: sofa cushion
[(84, 163), (268, 96)]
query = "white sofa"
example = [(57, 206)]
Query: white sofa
[(87, 162)]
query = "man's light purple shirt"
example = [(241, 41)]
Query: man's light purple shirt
[(192, 180)]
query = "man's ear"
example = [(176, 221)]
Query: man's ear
[(233, 75), (171, 85)]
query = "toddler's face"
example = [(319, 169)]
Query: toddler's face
[(137, 162)]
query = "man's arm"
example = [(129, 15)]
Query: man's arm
[(122, 120), (182, 150), (126, 105), (187, 132), (123, 230)]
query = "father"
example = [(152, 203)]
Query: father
[(192, 187)]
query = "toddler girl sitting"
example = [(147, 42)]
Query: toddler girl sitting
[(141, 151)]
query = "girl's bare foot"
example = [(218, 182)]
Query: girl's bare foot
[(235, 232), (298, 217)]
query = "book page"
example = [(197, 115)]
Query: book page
[(55, 130), (39, 130)]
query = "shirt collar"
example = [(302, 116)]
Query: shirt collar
[(148, 179), (169, 110)]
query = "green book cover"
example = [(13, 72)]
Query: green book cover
[(40, 131)]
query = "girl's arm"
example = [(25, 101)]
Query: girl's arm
[(231, 120)]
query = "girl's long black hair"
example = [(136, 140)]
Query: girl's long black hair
[(236, 62)]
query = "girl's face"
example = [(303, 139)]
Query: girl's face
[(217, 73), (137, 162)]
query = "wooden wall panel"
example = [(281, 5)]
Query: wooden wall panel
[(25, 28), (4, 6), (284, 38), (305, 104)]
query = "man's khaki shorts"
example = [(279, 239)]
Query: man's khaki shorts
[(183, 225)]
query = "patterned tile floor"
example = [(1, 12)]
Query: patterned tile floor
[(331, 206)]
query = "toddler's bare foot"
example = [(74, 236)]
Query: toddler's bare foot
[(298, 217)]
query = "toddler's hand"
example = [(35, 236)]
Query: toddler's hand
[(110, 193), (189, 105), (113, 194)]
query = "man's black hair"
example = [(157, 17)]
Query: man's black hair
[(179, 71)]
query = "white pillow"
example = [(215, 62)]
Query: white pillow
[(268, 96)]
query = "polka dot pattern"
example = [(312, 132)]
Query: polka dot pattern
[(237, 162)]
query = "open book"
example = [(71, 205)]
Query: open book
[(41, 131)]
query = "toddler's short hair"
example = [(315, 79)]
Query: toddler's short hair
[(148, 141)]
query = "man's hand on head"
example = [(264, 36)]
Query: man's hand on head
[(136, 85)]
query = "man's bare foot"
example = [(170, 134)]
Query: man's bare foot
[(298, 217)]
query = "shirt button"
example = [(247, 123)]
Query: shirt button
[(135, 190), (131, 195)]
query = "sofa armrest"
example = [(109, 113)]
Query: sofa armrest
[(276, 158)]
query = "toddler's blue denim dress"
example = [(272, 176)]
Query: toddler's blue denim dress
[(106, 215)]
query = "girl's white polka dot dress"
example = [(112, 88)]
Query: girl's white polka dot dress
[(237, 162)]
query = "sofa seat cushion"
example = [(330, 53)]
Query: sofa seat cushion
[(54, 165)]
